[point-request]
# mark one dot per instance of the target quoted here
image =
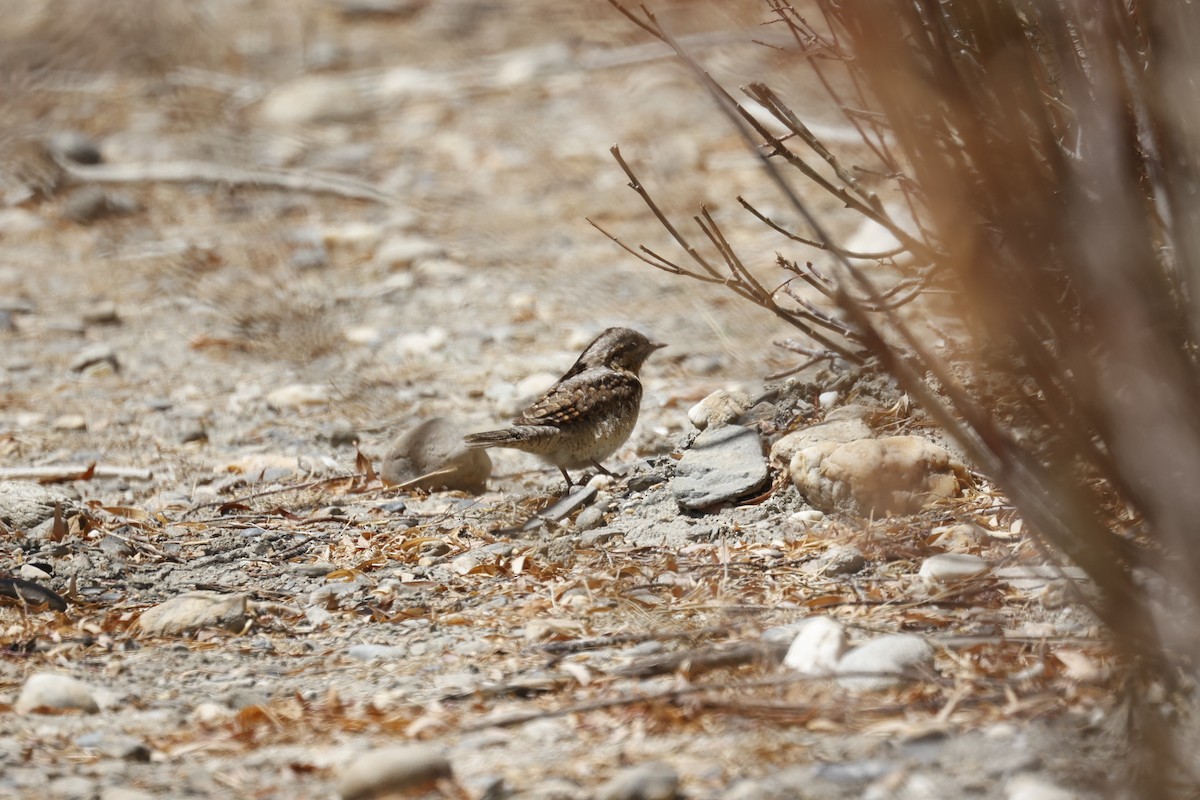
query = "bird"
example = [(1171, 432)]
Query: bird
[(588, 413)]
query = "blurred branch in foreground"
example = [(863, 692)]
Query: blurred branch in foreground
[(1047, 153)]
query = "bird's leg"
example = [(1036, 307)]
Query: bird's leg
[(600, 468), (566, 477)]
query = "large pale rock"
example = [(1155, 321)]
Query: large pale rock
[(432, 456), (723, 464), (392, 771), (836, 430), (50, 690), (873, 477), (193, 611), (885, 661)]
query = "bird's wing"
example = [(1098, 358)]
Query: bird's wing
[(579, 395)]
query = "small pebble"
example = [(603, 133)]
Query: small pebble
[(95, 354), (593, 516), (101, 312), (837, 560), (375, 652), (70, 422), (404, 251), (75, 146), (1034, 787), (31, 573), (297, 395), (91, 203)]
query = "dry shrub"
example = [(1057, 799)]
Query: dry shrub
[(1047, 151)]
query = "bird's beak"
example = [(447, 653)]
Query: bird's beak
[(657, 346)]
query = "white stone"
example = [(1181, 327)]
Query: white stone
[(421, 342), (872, 238), (890, 659), (52, 690), (70, 422), (355, 236), (17, 221), (363, 334), (391, 771), (211, 714), (297, 395), (1034, 787), (404, 251), (817, 647), (809, 515), (375, 652), (313, 98), (826, 399), (31, 573), (951, 567), (195, 610)]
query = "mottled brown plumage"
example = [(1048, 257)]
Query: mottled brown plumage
[(591, 410)]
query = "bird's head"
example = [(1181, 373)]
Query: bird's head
[(617, 348)]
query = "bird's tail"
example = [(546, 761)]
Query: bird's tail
[(523, 437), (490, 438)]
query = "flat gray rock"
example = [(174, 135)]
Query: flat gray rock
[(723, 464)]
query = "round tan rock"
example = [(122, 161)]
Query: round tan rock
[(874, 477), (432, 456)]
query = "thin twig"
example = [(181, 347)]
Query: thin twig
[(207, 172)]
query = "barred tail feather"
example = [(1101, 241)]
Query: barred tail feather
[(522, 437), (490, 438)]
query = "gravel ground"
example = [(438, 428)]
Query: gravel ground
[(217, 346)]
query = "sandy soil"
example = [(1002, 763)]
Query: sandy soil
[(231, 339)]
